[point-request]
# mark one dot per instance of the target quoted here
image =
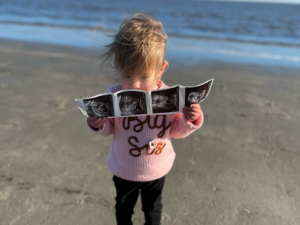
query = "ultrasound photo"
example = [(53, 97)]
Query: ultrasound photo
[(164, 101), (195, 95), (136, 102), (132, 103), (101, 106)]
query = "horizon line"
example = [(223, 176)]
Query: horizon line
[(250, 1)]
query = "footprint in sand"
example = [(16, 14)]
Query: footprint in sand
[(3, 64), (266, 106), (4, 194), (254, 100), (166, 216), (2, 85), (5, 74), (10, 124), (271, 104)]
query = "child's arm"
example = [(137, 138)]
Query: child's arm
[(192, 113), (187, 122), (102, 126), (95, 122)]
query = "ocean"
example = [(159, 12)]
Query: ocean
[(197, 30)]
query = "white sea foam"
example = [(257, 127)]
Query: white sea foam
[(179, 49), (235, 51)]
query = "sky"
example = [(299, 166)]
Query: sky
[(276, 1)]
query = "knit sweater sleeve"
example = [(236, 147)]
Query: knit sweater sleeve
[(108, 127), (181, 127), (106, 130)]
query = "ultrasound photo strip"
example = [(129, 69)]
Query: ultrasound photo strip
[(131, 102)]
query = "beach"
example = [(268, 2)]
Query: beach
[(240, 167)]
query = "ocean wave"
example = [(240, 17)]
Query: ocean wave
[(194, 37), (258, 54), (58, 26)]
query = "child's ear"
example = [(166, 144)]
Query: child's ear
[(163, 66), (159, 83)]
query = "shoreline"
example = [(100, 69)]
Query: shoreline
[(205, 38), (238, 168), (179, 49), (86, 53)]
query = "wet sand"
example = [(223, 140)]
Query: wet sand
[(241, 167)]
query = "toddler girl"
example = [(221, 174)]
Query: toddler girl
[(141, 153)]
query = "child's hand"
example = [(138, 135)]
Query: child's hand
[(96, 122), (192, 113)]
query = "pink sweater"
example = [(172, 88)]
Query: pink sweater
[(141, 149)]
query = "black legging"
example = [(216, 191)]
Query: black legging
[(127, 195)]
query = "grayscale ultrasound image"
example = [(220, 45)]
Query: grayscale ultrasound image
[(194, 95), (164, 101), (101, 106), (132, 103)]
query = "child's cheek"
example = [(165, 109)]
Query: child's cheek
[(124, 86)]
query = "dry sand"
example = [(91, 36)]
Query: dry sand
[(242, 167)]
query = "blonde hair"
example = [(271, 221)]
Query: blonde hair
[(139, 44)]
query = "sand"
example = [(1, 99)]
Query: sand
[(241, 167)]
